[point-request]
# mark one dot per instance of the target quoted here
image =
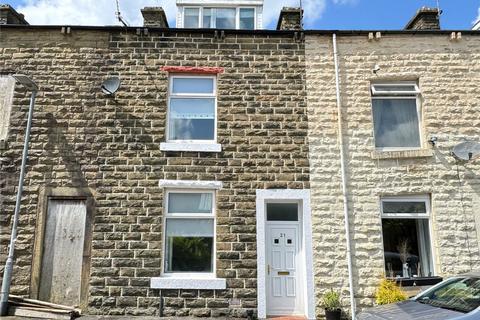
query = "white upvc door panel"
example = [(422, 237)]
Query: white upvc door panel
[(284, 293)]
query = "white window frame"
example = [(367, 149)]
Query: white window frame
[(237, 15), (376, 92), (200, 12), (398, 95), (254, 17), (212, 216), (419, 216), (419, 198), (192, 96)]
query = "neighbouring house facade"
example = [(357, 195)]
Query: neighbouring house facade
[(406, 101), (210, 183)]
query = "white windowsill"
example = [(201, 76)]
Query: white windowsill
[(188, 283), (190, 147), (395, 154)]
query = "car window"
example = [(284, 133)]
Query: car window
[(459, 294)]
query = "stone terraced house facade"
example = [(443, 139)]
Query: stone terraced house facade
[(210, 183)]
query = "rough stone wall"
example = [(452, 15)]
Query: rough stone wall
[(448, 78), (81, 138)]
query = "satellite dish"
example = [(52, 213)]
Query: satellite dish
[(111, 85), (466, 150)]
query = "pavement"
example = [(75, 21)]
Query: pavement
[(87, 317)]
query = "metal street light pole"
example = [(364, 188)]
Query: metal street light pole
[(29, 84)]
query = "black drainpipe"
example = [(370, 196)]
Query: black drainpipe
[(161, 304)]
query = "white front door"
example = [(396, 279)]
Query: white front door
[(284, 294)]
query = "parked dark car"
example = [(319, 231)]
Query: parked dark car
[(456, 298)]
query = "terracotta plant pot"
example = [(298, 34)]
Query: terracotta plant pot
[(333, 315)]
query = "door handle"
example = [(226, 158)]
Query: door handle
[(268, 269)]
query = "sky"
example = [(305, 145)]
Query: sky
[(319, 14)]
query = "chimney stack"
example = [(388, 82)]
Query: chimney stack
[(290, 19), (425, 19), (154, 17), (8, 15)]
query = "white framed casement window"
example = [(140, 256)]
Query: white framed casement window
[(220, 17), (189, 234), (191, 17), (397, 117), (407, 241), (247, 18), (192, 105)]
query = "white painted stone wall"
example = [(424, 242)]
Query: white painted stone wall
[(6, 93), (449, 79)]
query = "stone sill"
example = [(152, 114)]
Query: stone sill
[(421, 153), (190, 147), (188, 283)]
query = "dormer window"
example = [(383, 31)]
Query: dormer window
[(220, 14), (219, 18)]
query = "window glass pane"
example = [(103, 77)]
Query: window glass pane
[(207, 18), (395, 88), (407, 250), (191, 17), (192, 85), (225, 18), (189, 227), (282, 211), (189, 245), (192, 129), (247, 18), (192, 119), (189, 202), (396, 123), (192, 108), (404, 207)]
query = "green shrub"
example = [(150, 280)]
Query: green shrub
[(389, 292), (331, 300)]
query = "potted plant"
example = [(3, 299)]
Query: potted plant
[(403, 249), (331, 303)]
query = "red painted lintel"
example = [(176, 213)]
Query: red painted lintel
[(198, 70)]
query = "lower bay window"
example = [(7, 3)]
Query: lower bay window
[(406, 237)]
